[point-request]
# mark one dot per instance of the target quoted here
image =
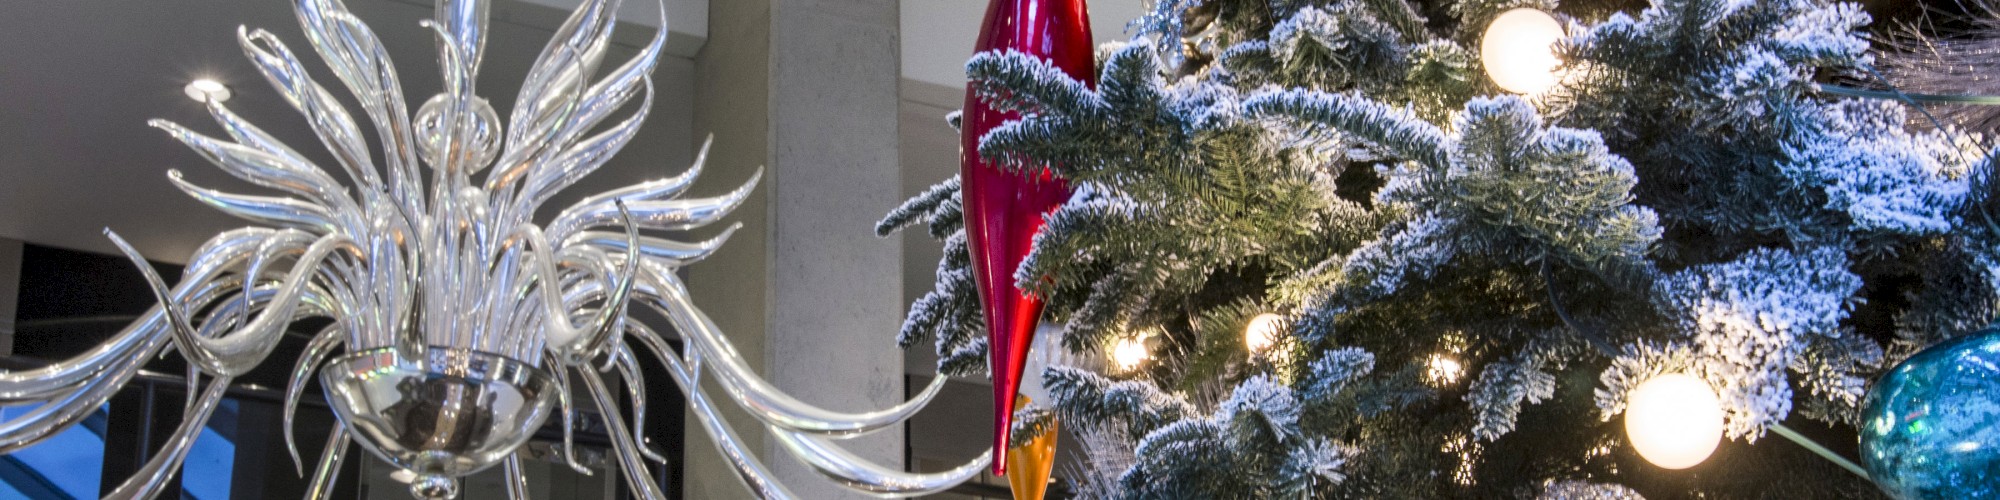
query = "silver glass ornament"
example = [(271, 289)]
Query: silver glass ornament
[(464, 322)]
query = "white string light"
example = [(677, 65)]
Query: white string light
[(1518, 50), (1130, 353), (1443, 370), (1674, 420), (1262, 333)]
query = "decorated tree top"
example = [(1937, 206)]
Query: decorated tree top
[(1473, 281)]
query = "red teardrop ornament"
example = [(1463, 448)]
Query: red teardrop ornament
[(1003, 210)]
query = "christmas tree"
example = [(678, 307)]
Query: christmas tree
[(1453, 289)]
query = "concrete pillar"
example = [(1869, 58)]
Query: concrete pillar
[(807, 88), (732, 103), (837, 298)]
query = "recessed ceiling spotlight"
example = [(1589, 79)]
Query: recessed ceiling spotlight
[(204, 89)]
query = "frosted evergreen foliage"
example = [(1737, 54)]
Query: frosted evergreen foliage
[(1473, 281), (1884, 184), (1250, 447), (1734, 82), (1312, 467), (1749, 321), (1335, 371), (1501, 390)]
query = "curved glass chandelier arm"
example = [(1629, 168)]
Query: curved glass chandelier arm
[(498, 303), (384, 285), (571, 56), (62, 412), (585, 157), (563, 392), (358, 59), (859, 473), (280, 245), (177, 322), (595, 103), (622, 442), (669, 252), (601, 98), (818, 452), (272, 210), (569, 60), (748, 470), (518, 158), (466, 21), (635, 386), (330, 460), (648, 191), (316, 351), (147, 482), (193, 378), (140, 339), (329, 119), (272, 171), (752, 392), (575, 345), (459, 122), (237, 352), (610, 361), (550, 97), (665, 215), (249, 135)]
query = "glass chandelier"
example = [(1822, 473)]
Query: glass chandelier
[(460, 322)]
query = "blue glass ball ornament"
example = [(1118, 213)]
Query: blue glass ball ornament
[(1930, 428)]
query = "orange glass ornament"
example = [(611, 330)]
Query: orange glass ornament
[(1029, 465)]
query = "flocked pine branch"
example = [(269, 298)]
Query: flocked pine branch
[(1749, 320), (919, 208)]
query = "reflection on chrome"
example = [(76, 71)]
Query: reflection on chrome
[(459, 322)]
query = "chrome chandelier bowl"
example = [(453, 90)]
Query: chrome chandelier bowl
[(445, 415), (464, 320)]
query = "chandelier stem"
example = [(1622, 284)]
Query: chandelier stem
[(330, 461), (517, 479)]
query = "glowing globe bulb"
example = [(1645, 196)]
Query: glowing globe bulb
[(1674, 420), (1263, 332), (1518, 50), (1129, 353)]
